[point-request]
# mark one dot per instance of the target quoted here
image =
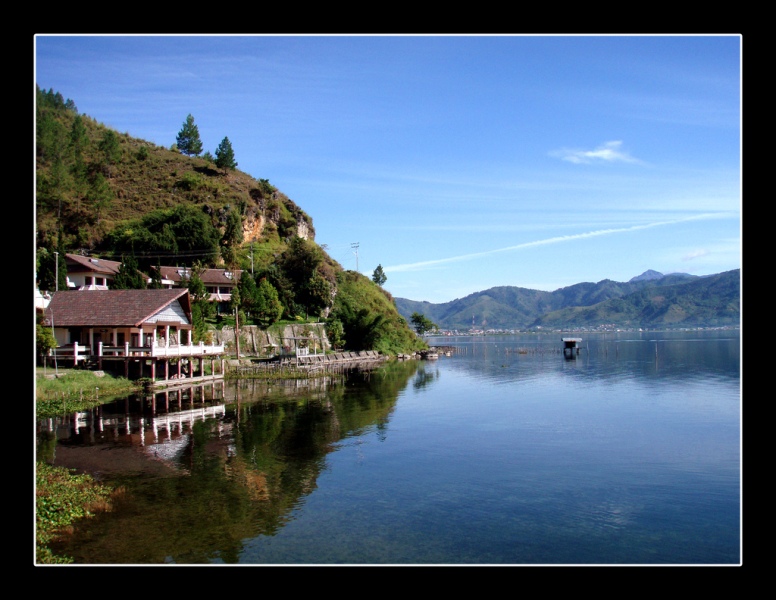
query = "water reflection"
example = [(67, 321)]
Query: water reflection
[(667, 356), (504, 452), (237, 461)]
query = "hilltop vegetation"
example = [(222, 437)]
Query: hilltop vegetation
[(107, 194)]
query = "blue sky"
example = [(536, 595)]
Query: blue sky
[(458, 163)]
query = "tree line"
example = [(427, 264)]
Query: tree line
[(189, 143)]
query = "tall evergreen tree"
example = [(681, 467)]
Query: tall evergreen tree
[(156, 278), (129, 276), (188, 140), (379, 276), (232, 237), (197, 288), (225, 155), (61, 263), (47, 270), (79, 141), (110, 150), (267, 309), (100, 195)]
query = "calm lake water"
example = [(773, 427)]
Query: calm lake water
[(504, 453)]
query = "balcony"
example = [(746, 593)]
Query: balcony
[(76, 353)]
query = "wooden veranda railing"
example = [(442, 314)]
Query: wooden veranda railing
[(76, 352)]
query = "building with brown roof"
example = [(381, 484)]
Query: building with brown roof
[(124, 325), (90, 273), (218, 282)]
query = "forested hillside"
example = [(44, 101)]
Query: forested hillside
[(649, 300), (103, 193)]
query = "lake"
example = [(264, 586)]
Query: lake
[(505, 452)]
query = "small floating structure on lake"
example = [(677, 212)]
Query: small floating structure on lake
[(571, 346)]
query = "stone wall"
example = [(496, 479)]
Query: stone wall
[(259, 342)]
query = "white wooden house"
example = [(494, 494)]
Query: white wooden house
[(125, 326)]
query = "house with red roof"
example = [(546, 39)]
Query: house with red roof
[(90, 273), (124, 327), (218, 282)]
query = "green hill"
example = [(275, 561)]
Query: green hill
[(107, 194), (663, 301)]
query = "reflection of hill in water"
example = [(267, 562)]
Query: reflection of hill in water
[(231, 476), (648, 354)]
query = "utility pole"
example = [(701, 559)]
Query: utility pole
[(237, 331), (56, 367), (354, 245), (251, 258), (56, 271)]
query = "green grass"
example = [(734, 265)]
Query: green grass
[(73, 390)]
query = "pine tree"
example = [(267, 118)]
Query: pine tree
[(188, 140), (61, 262), (379, 276), (110, 150), (225, 155), (156, 278), (129, 276), (79, 140)]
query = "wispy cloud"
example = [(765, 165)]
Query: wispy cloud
[(607, 152), (419, 266), (694, 254)]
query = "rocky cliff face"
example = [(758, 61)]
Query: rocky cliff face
[(253, 225), (255, 220), (303, 230), (258, 342)]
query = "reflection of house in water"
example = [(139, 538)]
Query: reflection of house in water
[(162, 434), (259, 444)]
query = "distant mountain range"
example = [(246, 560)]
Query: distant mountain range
[(648, 300)]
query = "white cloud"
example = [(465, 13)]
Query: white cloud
[(605, 153)]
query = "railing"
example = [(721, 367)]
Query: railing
[(73, 353), (78, 352)]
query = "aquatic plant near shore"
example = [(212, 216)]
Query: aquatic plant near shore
[(61, 498)]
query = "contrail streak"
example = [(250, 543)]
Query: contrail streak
[(553, 240)]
